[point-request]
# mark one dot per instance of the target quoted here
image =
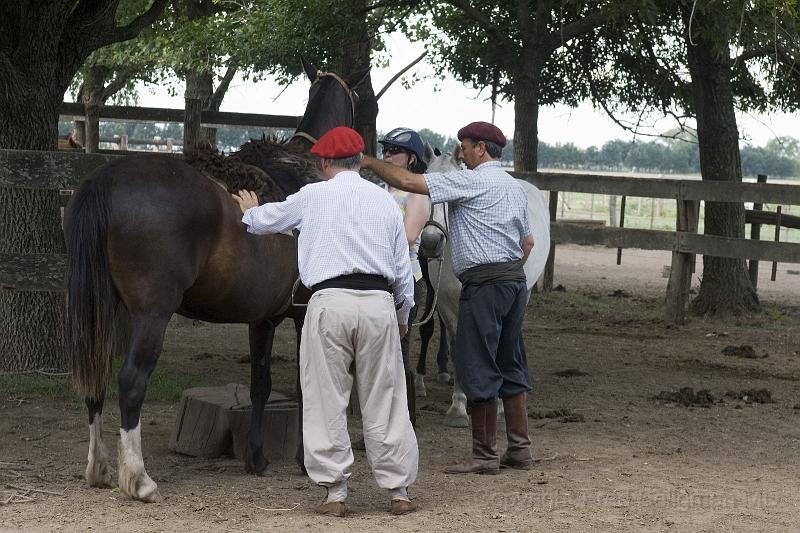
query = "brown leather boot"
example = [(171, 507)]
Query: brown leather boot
[(483, 418), (518, 454)]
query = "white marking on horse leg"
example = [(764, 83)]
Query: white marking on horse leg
[(501, 416), (419, 386), (456, 416), (98, 468), (133, 480)]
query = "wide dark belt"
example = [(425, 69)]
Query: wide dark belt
[(358, 282), (509, 271)]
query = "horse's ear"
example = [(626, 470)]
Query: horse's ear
[(428, 152), (357, 78), (437, 152), (311, 70), (456, 154)]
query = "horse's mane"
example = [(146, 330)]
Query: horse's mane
[(289, 165), (270, 169)]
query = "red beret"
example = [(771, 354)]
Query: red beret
[(339, 143), (482, 131)]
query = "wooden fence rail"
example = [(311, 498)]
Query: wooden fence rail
[(209, 119), (63, 171)]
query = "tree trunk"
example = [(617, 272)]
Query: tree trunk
[(527, 82), (526, 127), (91, 95), (31, 331), (725, 286), (199, 87), (355, 54), (43, 45)]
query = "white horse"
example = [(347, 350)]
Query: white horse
[(449, 288)]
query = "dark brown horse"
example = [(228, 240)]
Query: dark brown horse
[(148, 236)]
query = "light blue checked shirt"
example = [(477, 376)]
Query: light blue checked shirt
[(488, 214), (347, 226)]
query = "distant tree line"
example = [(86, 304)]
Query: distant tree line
[(779, 157)]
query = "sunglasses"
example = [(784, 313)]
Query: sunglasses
[(392, 150)]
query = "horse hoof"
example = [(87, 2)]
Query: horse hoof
[(140, 487), (443, 378), (419, 385), (99, 475), (456, 418), (257, 467)]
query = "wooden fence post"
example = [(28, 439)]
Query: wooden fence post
[(652, 211), (621, 225), (777, 239), (549, 267), (755, 234), (680, 278), (612, 210)]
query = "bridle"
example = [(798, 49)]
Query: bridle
[(446, 233), (351, 94)]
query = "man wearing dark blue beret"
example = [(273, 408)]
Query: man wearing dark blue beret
[(491, 239)]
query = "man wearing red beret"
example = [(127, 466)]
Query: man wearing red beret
[(491, 239), (353, 253)]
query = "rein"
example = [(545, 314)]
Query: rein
[(444, 230), (350, 92)]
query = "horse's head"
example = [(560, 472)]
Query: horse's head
[(331, 102), (439, 162), (434, 235)]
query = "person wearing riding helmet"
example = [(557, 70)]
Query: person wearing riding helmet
[(403, 147), (491, 239)]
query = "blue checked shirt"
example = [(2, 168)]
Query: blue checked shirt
[(347, 226), (488, 214)]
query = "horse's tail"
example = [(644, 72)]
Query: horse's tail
[(91, 297)]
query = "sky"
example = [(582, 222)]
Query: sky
[(444, 106)]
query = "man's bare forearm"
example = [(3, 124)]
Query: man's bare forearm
[(527, 246), (396, 176)]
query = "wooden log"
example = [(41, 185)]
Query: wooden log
[(279, 430), (214, 421)]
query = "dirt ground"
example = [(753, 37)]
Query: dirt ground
[(612, 457)]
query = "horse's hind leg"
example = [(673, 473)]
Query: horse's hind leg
[(456, 415), (98, 468), (261, 337), (147, 338), (441, 356)]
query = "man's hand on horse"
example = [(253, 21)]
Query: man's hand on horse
[(246, 200)]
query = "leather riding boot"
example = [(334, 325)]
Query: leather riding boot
[(483, 419), (518, 454)]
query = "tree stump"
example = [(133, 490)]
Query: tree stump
[(214, 421)]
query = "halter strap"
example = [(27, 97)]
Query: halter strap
[(304, 135), (322, 74)]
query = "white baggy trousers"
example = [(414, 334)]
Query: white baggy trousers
[(347, 328)]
